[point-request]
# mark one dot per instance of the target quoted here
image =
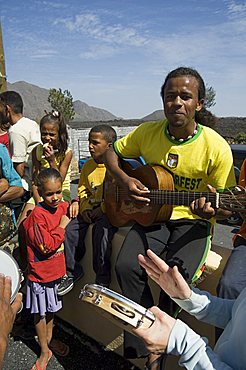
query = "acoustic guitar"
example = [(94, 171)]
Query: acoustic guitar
[(122, 210)]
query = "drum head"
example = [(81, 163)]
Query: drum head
[(9, 267)]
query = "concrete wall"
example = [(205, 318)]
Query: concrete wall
[(79, 139)]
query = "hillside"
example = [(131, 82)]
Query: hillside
[(231, 126), (36, 102), (157, 115)]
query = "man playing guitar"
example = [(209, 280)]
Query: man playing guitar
[(196, 156)]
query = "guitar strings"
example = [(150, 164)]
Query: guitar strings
[(231, 201)]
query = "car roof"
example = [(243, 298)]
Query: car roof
[(238, 148)]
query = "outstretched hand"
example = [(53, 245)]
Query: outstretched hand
[(168, 278)]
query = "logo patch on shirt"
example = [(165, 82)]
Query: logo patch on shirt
[(172, 160)]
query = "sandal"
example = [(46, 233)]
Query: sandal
[(37, 366), (59, 348)]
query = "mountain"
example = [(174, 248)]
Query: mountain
[(35, 101), (157, 115), (89, 113)]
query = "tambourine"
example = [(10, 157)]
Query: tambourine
[(9, 267), (122, 311)]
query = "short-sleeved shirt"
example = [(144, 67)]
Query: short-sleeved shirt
[(24, 135), (204, 159), (90, 187), (7, 169), (58, 159)]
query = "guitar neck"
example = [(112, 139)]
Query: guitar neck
[(181, 197)]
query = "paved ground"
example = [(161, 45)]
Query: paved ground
[(223, 234), (85, 353)]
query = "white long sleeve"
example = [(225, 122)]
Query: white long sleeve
[(230, 350)]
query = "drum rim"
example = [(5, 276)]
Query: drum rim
[(15, 291), (101, 289)]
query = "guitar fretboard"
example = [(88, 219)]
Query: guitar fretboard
[(182, 197), (172, 197)]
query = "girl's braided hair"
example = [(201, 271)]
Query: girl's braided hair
[(57, 118)]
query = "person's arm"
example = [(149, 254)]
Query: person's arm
[(221, 178), (13, 192), (15, 189), (19, 151), (20, 167), (135, 188), (8, 313), (4, 185), (84, 192), (49, 154), (205, 210), (194, 351), (74, 208), (35, 171), (40, 235), (202, 305), (174, 337), (64, 165)]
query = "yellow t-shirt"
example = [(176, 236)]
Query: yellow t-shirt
[(45, 164), (90, 188), (204, 159)]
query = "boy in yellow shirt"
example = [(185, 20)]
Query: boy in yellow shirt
[(88, 210)]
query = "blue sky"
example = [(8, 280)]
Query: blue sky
[(115, 54)]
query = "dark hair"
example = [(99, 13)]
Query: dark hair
[(4, 124), (107, 131), (46, 175), (13, 99), (205, 117), (57, 118)]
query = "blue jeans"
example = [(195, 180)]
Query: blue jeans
[(233, 278)]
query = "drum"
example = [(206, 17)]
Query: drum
[(117, 308), (9, 267)]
